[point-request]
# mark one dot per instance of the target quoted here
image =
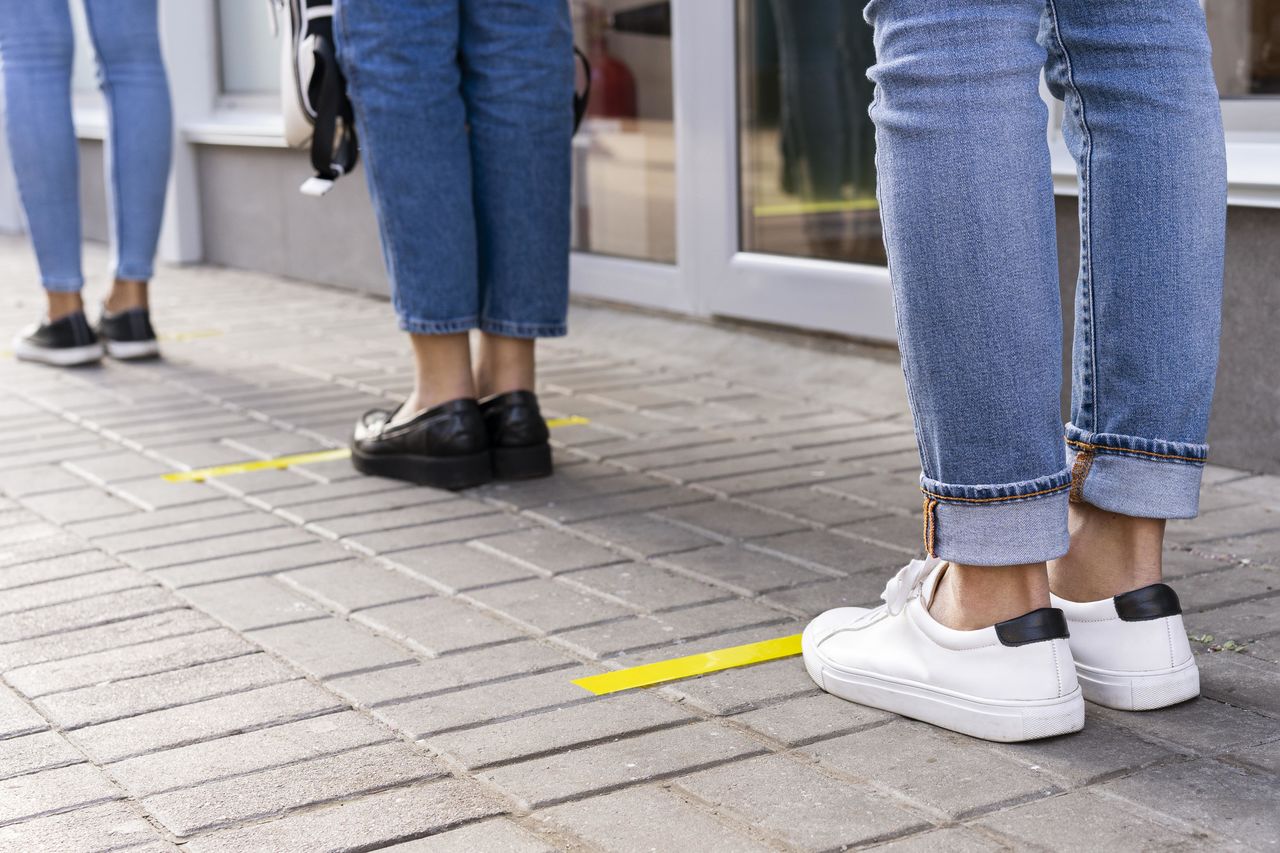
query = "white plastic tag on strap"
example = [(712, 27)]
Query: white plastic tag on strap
[(315, 186)]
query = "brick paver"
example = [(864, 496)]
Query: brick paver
[(308, 659)]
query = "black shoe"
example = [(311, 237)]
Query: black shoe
[(128, 335), (64, 342), (445, 447), (518, 436)]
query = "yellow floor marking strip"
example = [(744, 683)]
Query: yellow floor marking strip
[(199, 475), (800, 208), (572, 420), (671, 670)]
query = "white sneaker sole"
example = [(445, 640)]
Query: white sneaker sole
[(64, 357), (1140, 691), (1005, 721), (130, 350)]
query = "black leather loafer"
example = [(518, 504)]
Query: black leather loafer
[(518, 436), (445, 447)]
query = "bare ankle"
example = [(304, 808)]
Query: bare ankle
[(971, 597), (61, 304), (126, 295), (1110, 554)]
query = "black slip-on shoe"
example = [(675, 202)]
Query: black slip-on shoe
[(518, 436), (128, 335), (64, 342), (445, 446)]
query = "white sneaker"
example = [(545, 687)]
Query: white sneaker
[(1131, 651), (1010, 682)]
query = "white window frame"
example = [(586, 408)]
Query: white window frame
[(711, 276)]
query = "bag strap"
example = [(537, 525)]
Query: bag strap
[(580, 99), (334, 148)]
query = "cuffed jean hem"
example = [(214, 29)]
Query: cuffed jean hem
[(524, 330), (415, 326), (1140, 477), (997, 525), (135, 272), (62, 285)]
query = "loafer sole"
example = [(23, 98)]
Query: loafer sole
[(522, 463), (440, 472)]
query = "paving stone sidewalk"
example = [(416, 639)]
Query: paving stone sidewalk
[(310, 660)]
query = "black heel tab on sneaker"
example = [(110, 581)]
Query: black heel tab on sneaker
[(1047, 623), (1151, 602)]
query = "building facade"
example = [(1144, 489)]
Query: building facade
[(726, 169)]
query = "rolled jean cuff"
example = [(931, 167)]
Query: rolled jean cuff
[(135, 271), (997, 525), (523, 330), (419, 326), (57, 284), (1140, 477)]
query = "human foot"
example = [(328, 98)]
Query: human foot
[(1110, 554), (1011, 681), (127, 295), (127, 334)]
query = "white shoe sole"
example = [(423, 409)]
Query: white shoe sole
[(1140, 691), (1005, 721), (129, 350), (64, 357)]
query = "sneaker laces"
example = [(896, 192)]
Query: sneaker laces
[(902, 586)]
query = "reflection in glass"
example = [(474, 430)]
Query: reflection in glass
[(624, 155), (1246, 46), (807, 144)]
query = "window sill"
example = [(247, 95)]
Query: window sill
[(1253, 170), (237, 127)]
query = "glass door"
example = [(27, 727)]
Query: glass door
[(803, 244)]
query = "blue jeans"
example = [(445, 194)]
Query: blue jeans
[(968, 209), (36, 46), (464, 109)]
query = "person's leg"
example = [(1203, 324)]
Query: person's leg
[(36, 45), (131, 74), (1143, 122), (966, 638), (967, 204), (518, 71), (400, 59)]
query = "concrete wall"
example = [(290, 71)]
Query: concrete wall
[(1244, 431), (255, 218)]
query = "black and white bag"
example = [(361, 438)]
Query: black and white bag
[(317, 113), (318, 116)]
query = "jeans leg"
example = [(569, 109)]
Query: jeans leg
[(1143, 122), (400, 58), (967, 205), (517, 58), (36, 45), (140, 142)]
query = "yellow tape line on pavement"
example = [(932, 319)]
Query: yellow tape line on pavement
[(199, 475), (677, 668)]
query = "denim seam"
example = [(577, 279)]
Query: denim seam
[(1086, 212), (999, 499), (1086, 447)]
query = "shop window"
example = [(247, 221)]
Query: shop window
[(807, 144), (624, 164), (1246, 46)]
